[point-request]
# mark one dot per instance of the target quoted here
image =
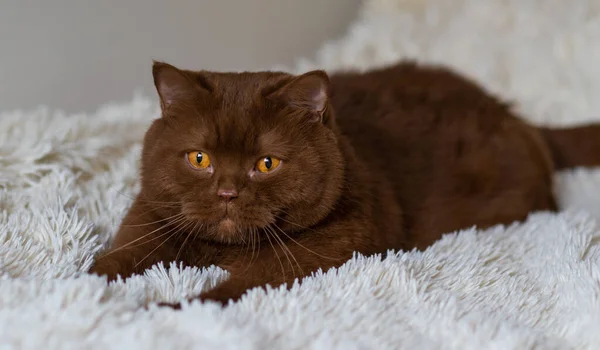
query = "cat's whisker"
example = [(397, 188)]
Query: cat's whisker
[(152, 209), (278, 241), (176, 230), (276, 254), (289, 250), (185, 241), (162, 234), (197, 233), (146, 200), (165, 204), (258, 240), (152, 239), (241, 235), (247, 244), (292, 222), (300, 244), (154, 222), (253, 238), (246, 254), (291, 254), (255, 244), (128, 245)]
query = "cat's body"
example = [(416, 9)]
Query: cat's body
[(452, 156), (389, 159)]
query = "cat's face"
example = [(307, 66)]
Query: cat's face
[(242, 153)]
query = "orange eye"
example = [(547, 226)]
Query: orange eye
[(198, 160), (267, 164)]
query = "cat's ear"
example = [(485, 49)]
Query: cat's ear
[(309, 91), (172, 84)]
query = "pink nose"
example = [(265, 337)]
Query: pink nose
[(227, 194)]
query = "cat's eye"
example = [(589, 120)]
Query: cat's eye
[(198, 160), (267, 164)]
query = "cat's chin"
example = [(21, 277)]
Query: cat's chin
[(228, 231), (227, 228)]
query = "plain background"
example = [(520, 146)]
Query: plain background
[(76, 55)]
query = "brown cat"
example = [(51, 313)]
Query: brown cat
[(272, 176)]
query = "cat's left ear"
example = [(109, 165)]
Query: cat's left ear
[(309, 91)]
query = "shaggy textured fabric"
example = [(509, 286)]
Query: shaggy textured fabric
[(66, 180)]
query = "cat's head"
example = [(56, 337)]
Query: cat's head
[(236, 153)]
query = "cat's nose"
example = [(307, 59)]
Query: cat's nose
[(227, 194)]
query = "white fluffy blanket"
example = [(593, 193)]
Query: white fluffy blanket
[(66, 180)]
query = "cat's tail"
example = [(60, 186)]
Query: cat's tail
[(575, 146)]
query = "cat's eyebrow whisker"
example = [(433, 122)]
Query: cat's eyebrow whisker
[(276, 254), (298, 243), (128, 245)]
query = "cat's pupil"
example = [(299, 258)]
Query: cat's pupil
[(199, 157), (268, 162)]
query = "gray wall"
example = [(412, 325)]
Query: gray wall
[(78, 54)]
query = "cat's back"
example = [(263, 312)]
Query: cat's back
[(442, 143), (411, 93), (413, 111)]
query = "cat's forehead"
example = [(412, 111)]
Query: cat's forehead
[(240, 102), (235, 117), (239, 89), (249, 129), (238, 119), (239, 135)]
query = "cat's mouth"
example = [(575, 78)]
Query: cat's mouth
[(229, 224)]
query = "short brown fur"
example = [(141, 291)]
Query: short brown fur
[(388, 159)]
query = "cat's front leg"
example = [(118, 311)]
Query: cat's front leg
[(125, 261), (236, 286), (139, 244), (111, 266), (279, 264)]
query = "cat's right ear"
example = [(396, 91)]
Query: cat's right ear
[(173, 84), (308, 92)]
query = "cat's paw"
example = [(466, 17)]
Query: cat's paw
[(174, 306), (216, 296), (177, 306), (228, 291), (106, 267)]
